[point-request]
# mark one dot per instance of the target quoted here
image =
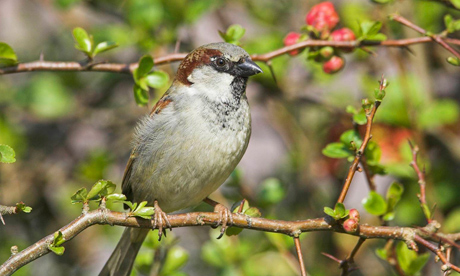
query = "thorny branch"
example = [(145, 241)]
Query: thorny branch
[(421, 182), (103, 216), (42, 65)]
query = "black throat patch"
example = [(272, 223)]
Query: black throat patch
[(238, 87)]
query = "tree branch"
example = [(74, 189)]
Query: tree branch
[(292, 228), (42, 65)]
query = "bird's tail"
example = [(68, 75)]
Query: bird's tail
[(122, 259)]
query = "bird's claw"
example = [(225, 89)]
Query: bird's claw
[(225, 218), (161, 220)]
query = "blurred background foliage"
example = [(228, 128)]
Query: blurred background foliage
[(71, 129)]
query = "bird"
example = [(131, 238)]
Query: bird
[(189, 144)]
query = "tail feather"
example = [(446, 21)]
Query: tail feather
[(122, 259)]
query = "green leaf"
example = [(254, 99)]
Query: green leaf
[(58, 238), (340, 210), (417, 264), (371, 27), (271, 191), (23, 208), (253, 212), (233, 34), (7, 55), (393, 196), (360, 117), (175, 259), (329, 211), (351, 109), (405, 256), (144, 67), (7, 154), (377, 37), (454, 61), (100, 189), (448, 21), (233, 231), (130, 205), (351, 136), (382, 253), (141, 96), (104, 46), (373, 153), (456, 3), (426, 211), (142, 211), (157, 79), (79, 196), (337, 150), (58, 250), (116, 197), (379, 94), (375, 204), (84, 41)]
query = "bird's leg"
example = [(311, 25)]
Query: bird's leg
[(225, 215), (160, 219)]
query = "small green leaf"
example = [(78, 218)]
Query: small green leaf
[(130, 205), (456, 3), (144, 67), (79, 196), (373, 153), (7, 154), (382, 253), (157, 79), (84, 41), (351, 109), (448, 22), (253, 212), (405, 256), (375, 204), (377, 37), (175, 259), (58, 238), (426, 211), (140, 95), (351, 136), (104, 46), (233, 34), (454, 61), (116, 197), (360, 117), (23, 208), (340, 210), (100, 189), (145, 212), (58, 250), (379, 94), (417, 264), (337, 150), (329, 211), (233, 231), (7, 55)]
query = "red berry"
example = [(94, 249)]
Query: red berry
[(322, 17), (343, 34), (333, 65), (350, 225), (291, 39), (354, 214)]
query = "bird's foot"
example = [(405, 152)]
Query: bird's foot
[(225, 215), (161, 220)]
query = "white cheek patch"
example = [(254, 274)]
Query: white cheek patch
[(215, 85)]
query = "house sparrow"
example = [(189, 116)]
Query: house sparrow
[(190, 143)]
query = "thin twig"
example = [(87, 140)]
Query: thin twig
[(300, 256), (438, 252), (421, 180), (434, 37), (359, 153), (42, 65)]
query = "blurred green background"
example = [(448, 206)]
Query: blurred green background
[(71, 129)]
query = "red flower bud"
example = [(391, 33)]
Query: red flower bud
[(343, 34), (326, 52), (322, 17), (350, 225), (291, 39), (333, 65), (354, 214)]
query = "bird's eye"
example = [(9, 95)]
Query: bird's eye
[(221, 62)]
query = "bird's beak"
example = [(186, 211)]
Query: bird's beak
[(248, 68)]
